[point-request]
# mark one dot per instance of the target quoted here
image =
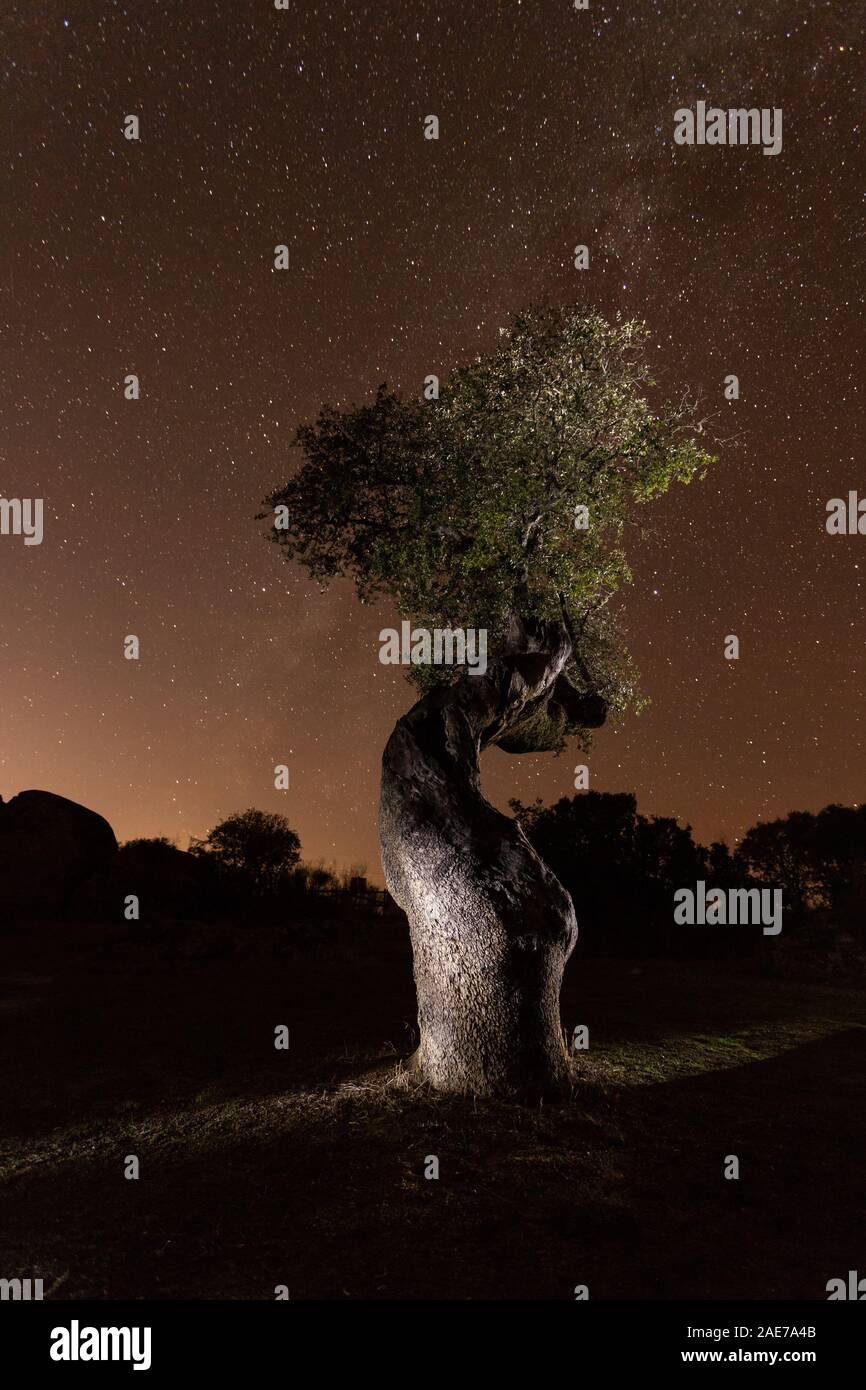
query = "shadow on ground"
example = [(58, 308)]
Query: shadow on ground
[(306, 1167)]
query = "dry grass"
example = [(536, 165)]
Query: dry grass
[(306, 1168)]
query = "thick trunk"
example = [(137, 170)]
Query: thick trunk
[(491, 926)]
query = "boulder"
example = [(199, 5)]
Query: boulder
[(48, 847)]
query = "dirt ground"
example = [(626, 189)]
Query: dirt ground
[(305, 1167)]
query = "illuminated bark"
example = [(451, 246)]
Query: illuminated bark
[(491, 926)]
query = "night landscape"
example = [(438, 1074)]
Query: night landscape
[(432, 536)]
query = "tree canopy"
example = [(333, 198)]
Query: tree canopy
[(260, 845), (622, 868), (466, 508), (812, 858)]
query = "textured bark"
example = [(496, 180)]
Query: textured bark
[(492, 927)]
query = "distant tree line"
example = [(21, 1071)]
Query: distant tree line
[(622, 869), (259, 854), (248, 865)]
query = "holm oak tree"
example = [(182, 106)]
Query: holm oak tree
[(500, 505)]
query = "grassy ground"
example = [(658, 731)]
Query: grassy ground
[(306, 1167)]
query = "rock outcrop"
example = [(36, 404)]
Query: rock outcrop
[(48, 847)]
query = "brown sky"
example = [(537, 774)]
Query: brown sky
[(155, 257)]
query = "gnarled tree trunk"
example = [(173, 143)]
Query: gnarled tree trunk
[(492, 927)]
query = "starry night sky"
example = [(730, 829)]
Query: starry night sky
[(260, 127)]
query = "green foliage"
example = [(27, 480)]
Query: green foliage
[(463, 509), (260, 845)]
